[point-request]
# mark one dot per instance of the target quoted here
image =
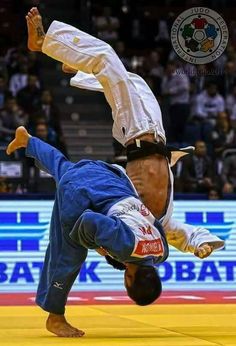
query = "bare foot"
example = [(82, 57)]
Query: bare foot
[(58, 325), (36, 32), (21, 140)]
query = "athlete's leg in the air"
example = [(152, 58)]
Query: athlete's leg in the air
[(62, 260), (47, 157)]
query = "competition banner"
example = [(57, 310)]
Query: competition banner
[(24, 231)]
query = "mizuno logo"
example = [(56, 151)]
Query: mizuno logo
[(58, 285)]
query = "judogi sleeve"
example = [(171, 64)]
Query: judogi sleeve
[(48, 158), (187, 238), (93, 230)]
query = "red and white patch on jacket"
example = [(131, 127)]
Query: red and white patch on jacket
[(147, 238), (149, 248)]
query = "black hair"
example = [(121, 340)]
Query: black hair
[(114, 263), (215, 189), (210, 83), (146, 287)]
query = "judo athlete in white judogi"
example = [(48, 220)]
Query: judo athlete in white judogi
[(137, 124)]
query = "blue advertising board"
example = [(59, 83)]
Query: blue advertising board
[(24, 230)]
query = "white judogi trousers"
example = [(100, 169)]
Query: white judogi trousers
[(135, 109)]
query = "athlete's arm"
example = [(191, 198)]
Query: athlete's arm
[(93, 230), (188, 238)]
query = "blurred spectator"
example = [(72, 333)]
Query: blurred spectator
[(120, 50), (177, 172), (200, 78), (11, 116), (223, 135), (163, 32), (214, 194), (220, 63), (15, 57), (192, 98), (176, 87), (49, 111), (107, 25), (34, 65), (11, 59), (229, 174), (209, 103), (172, 55), (162, 38), (142, 29), (4, 92), (45, 133), (29, 97), (137, 65), (3, 69), (155, 68), (232, 32), (228, 80), (231, 101), (231, 106), (189, 69), (19, 80), (231, 52), (41, 128), (233, 117), (153, 85), (5, 186), (197, 170)]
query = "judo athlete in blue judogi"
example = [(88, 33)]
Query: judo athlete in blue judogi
[(96, 207)]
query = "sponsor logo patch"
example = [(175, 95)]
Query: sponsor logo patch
[(149, 247)]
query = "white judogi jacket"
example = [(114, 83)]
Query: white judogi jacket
[(135, 109), (182, 236)]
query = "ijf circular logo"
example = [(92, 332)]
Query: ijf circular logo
[(199, 35)]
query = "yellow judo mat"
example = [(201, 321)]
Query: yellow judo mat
[(125, 325)]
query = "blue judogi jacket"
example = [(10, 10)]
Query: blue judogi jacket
[(96, 187), (95, 206)]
